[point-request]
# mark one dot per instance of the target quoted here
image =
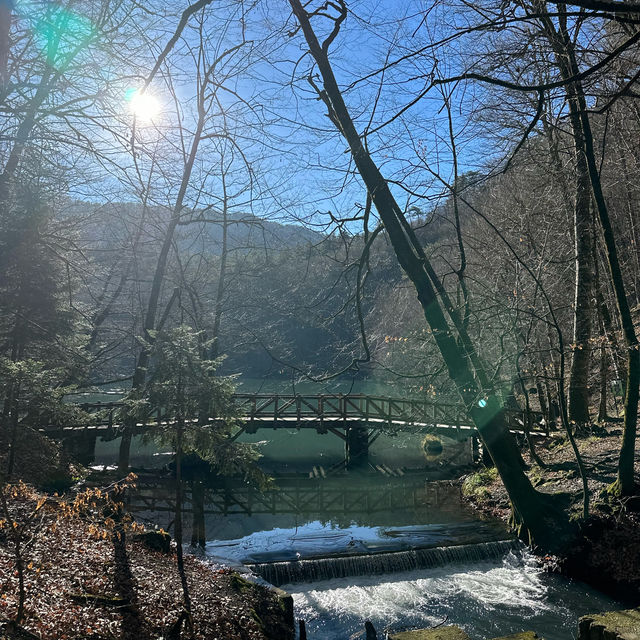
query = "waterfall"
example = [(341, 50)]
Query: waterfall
[(279, 573)]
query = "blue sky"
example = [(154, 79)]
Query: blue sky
[(299, 161)]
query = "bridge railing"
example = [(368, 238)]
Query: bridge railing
[(366, 408), (352, 406), (296, 408)]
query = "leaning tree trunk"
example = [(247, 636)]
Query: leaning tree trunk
[(535, 515)]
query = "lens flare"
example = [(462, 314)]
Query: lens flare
[(144, 106)]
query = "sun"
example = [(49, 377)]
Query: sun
[(144, 106)]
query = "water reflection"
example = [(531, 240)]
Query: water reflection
[(370, 510)]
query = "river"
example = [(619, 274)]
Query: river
[(399, 551), (487, 599), (403, 549)]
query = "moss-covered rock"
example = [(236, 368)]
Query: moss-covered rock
[(612, 625), (440, 633), (272, 610), (476, 485)]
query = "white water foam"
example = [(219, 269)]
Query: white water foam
[(487, 599)]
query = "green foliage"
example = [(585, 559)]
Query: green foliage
[(184, 387), (38, 393), (475, 485), (36, 318)]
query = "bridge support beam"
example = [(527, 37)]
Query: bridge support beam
[(357, 447), (485, 456)]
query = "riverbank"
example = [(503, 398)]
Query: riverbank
[(80, 569), (607, 552)]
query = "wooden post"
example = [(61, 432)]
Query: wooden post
[(275, 411), (357, 447), (487, 460), (475, 448)]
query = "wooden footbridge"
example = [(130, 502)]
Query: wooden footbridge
[(357, 419)]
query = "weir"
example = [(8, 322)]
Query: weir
[(280, 573)]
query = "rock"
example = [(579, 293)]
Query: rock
[(369, 630), (272, 607), (155, 540), (612, 625), (440, 633), (285, 602)]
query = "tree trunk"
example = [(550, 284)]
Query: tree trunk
[(535, 515), (565, 54), (178, 526), (140, 373), (198, 533), (602, 408), (578, 406), (583, 251), (11, 409), (582, 312), (215, 346)]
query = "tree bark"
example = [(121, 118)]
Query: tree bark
[(178, 526), (578, 405), (217, 319)]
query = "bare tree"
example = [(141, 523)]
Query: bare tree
[(531, 509)]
